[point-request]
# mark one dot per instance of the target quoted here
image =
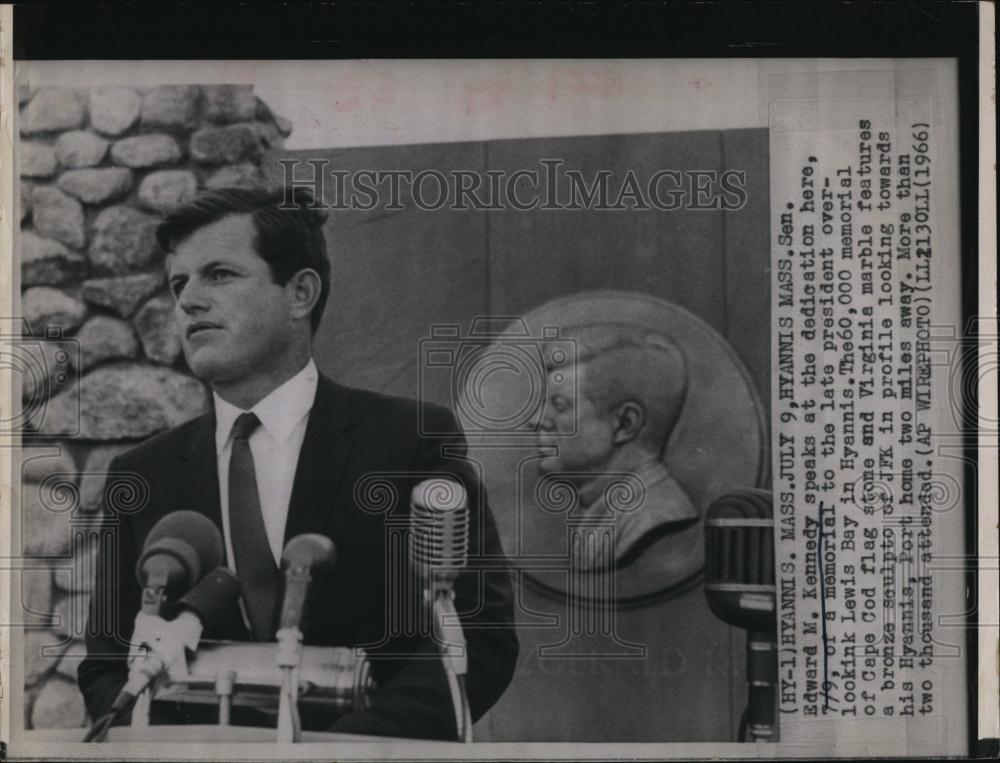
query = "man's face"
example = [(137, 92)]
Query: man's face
[(233, 318), (567, 408)]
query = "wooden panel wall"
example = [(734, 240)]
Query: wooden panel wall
[(398, 272)]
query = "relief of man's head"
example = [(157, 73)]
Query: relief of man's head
[(615, 408)]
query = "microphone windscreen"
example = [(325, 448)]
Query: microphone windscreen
[(739, 558), (309, 550), (190, 537), (740, 539), (212, 597), (439, 525), (440, 494)]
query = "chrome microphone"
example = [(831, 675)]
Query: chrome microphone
[(740, 588), (439, 533), (439, 550)]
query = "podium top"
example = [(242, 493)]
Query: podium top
[(208, 734)]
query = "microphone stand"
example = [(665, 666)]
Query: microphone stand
[(439, 545), (154, 601), (289, 660), (146, 666), (762, 671), (451, 641), (301, 554)]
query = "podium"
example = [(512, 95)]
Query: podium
[(205, 734), (198, 734), (237, 674), (247, 674)]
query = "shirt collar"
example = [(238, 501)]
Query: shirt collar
[(279, 412)]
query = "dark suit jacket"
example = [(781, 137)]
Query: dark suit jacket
[(361, 456)]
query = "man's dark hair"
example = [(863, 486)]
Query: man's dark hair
[(289, 230)]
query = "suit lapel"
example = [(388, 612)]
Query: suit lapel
[(198, 478), (325, 450)]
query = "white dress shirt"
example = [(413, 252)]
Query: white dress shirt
[(275, 446)]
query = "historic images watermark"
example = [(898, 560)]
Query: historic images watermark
[(549, 186), (43, 361)]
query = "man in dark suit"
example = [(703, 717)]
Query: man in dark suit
[(286, 451)]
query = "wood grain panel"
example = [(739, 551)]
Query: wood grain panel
[(748, 258), (395, 273), (678, 691), (538, 255)]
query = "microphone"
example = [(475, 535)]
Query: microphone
[(439, 549), (200, 608), (210, 599), (302, 555), (740, 589), (439, 533), (179, 548)]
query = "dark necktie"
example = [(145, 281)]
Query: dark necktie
[(255, 565)]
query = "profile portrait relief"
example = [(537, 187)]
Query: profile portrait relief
[(617, 407), (651, 417)]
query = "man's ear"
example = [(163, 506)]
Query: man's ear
[(304, 288), (629, 419)]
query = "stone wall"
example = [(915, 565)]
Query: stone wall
[(103, 367)]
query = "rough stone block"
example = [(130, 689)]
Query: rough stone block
[(226, 145), (166, 190), (43, 306), (78, 577), (45, 529), (158, 331), (24, 93), (284, 126), (36, 160), (270, 136), (25, 200), (171, 106), (58, 216), (124, 294), (104, 338), (44, 261), (225, 104), (95, 471), (71, 659), (53, 109), (71, 615), (123, 240), (142, 151), (37, 463), (59, 705), (80, 148), (96, 186), (127, 401), (263, 111), (34, 605), (113, 110), (47, 368), (42, 652), (243, 175)]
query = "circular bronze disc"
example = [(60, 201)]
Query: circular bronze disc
[(720, 444)]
